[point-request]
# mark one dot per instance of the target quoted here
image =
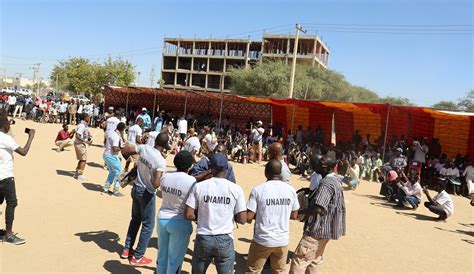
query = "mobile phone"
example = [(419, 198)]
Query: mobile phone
[(27, 130)]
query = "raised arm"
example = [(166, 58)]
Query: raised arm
[(24, 150)]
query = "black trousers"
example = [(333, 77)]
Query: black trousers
[(436, 209), (8, 192)]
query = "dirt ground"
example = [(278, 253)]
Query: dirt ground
[(70, 227)]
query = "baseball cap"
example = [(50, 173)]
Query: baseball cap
[(392, 176), (219, 161), (111, 108), (259, 123), (143, 109)]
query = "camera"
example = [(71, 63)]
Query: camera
[(27, 130)]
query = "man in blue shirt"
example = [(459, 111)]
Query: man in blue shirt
[(146, 119)]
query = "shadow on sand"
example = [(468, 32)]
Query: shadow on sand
[(109, 241), (65, 173), (92, 187), (93, 164), (418, 216)]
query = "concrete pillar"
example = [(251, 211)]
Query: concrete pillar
[(246, 55), (314, 49)]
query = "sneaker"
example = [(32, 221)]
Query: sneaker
[(440, 220), (142, 261), (13, 239), (319, 260), (127, 253), (117, 194), (81, 177)]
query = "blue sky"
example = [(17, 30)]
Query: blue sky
[(405, 62)]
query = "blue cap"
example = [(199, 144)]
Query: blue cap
[(219, 161)]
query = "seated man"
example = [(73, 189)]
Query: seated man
[(441, 204), (451, 173), (352, 174), (410, 192), (375, 171), (63, 138), (389, 188)]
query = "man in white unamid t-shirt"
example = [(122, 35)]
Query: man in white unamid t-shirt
[(218, 202), (150, 168), (272, 205), (135, 138), (7, 180)]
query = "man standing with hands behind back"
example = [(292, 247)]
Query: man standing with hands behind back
[(218, 203), (272, 205), (7, 180)]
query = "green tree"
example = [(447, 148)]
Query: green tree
[(446, 105), (272, 79), (81, 76), (467, 103)]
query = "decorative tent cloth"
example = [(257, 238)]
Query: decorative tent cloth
[(455, 131), (178, 102)]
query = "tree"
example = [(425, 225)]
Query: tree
[(272, 79), (467, 103), (445, 105), (81, 76)]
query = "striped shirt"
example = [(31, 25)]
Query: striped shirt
[(329, 196)]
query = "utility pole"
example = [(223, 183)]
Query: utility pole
[(57, 84), (293, 67), (152, 77), (35, 69), (138, 79)]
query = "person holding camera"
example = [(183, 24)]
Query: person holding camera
[(257, 138), (7, 179)]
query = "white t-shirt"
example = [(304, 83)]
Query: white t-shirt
[(209, 142), (11, 100), (273, 202), (111, 124), (469, 173), (445, 201), (149, 162), (449, 172), (257, 134), (182, 126), (175, 187), (285, 172), (420, 155), (315, 179), (133, 132), (82, 131), (217, 201), (7, 147), (151, 138), (191, 144), (113, 140)]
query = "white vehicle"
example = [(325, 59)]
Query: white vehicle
[(80, 98)]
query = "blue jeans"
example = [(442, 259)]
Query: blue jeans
[(217, 247), (412, 200), (115, 169), (143, 213), (173, 240)]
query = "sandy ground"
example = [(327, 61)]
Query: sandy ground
[(71, 227)]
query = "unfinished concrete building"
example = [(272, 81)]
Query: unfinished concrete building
[(203, 64)]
